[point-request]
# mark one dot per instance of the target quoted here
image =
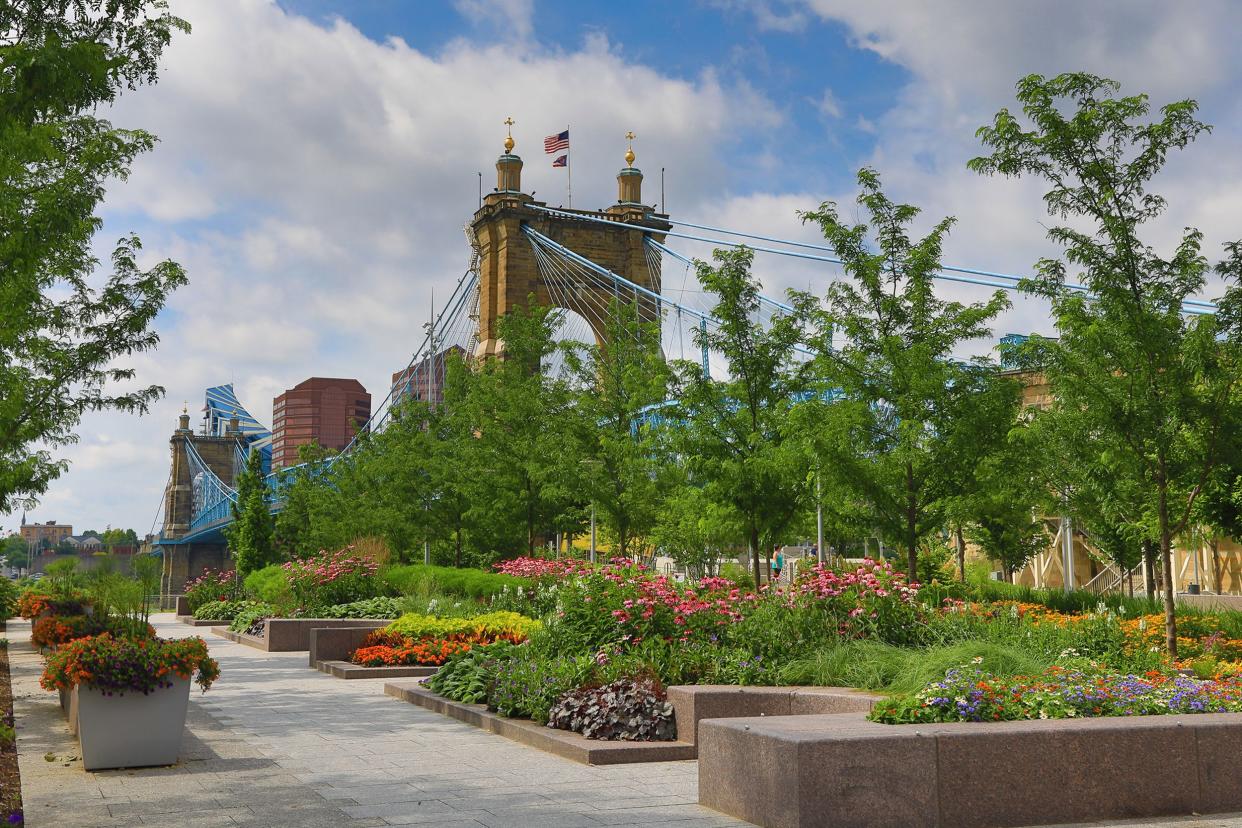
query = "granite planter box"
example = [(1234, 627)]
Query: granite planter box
[(841, 770), (291, 635), (182, 606), (693, 703), (133, 730), (349, 670), (336, 643)]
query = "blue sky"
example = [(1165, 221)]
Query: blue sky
[(318, 158)]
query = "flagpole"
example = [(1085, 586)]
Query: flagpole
[(569, 170)]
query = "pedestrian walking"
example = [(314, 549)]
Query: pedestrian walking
[(778, 562)]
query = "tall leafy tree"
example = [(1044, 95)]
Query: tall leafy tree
[(1153, 388), (736, 439), (621, 385), (250, 534), (898, 404), (62, 333)]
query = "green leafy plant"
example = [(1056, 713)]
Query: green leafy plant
[(251, 617), (467, 677), (382, 607)]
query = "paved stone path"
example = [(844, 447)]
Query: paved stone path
[(276, 744)]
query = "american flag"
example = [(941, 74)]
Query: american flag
[(556, 143), (562, 161)]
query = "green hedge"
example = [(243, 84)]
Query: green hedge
[(415, 579)]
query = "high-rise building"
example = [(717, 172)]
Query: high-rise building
[(324, 410), (412, 384)]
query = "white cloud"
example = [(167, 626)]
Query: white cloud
[(314, 183), (828, 105)]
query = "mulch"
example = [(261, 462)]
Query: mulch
[(10, 779)]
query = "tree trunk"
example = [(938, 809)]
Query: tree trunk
[(1149, 568), (754, 553), (912, 549), (457, 545), (1214, 545), (961, 553), (1166, 558)]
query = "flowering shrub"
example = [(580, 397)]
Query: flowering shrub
[(971, 695), (212, 585), (329, 578), (625, 603), (872, 601), (55, 630), (32, 604), (429, 652), (535, 568), (118, 666), (628, 709)]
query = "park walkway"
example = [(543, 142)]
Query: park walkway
[(274, 743)]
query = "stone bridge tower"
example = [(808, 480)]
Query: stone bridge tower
[(189, 549), (508, 273)]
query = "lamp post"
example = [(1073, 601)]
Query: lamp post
[(819, 521)]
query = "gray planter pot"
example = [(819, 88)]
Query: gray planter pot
[(69, 704), (132, 731)]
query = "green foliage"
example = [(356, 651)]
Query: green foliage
[(369, 608), (8, 598), (254, 612), (250, 533), (62, 574), (14, 552), (467, 677), (907, 420), (734, 435), (222, 610), (527, 685), (63, 340), (270, 584), (417, 579), (874, 665)]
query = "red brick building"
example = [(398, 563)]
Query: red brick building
[(325, 410)]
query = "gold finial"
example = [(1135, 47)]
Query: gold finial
[(185, 407), (509, 122), (629, 148)]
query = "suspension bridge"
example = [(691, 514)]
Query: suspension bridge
[(590, 264)]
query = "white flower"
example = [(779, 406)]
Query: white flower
[(977, 660)]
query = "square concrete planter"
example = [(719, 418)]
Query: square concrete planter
[(133, 730)]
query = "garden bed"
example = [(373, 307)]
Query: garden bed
[(10, 777), (561, 742), (796, 771), (349, 670)]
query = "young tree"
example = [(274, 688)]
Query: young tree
[(521, 456), (1151, 386), (61, 339), (735, 436), (622, 467), (897, 407), (250, 533)]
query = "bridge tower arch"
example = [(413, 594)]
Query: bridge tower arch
[(509, 274)]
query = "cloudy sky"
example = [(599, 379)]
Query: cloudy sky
[(318, 159)]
